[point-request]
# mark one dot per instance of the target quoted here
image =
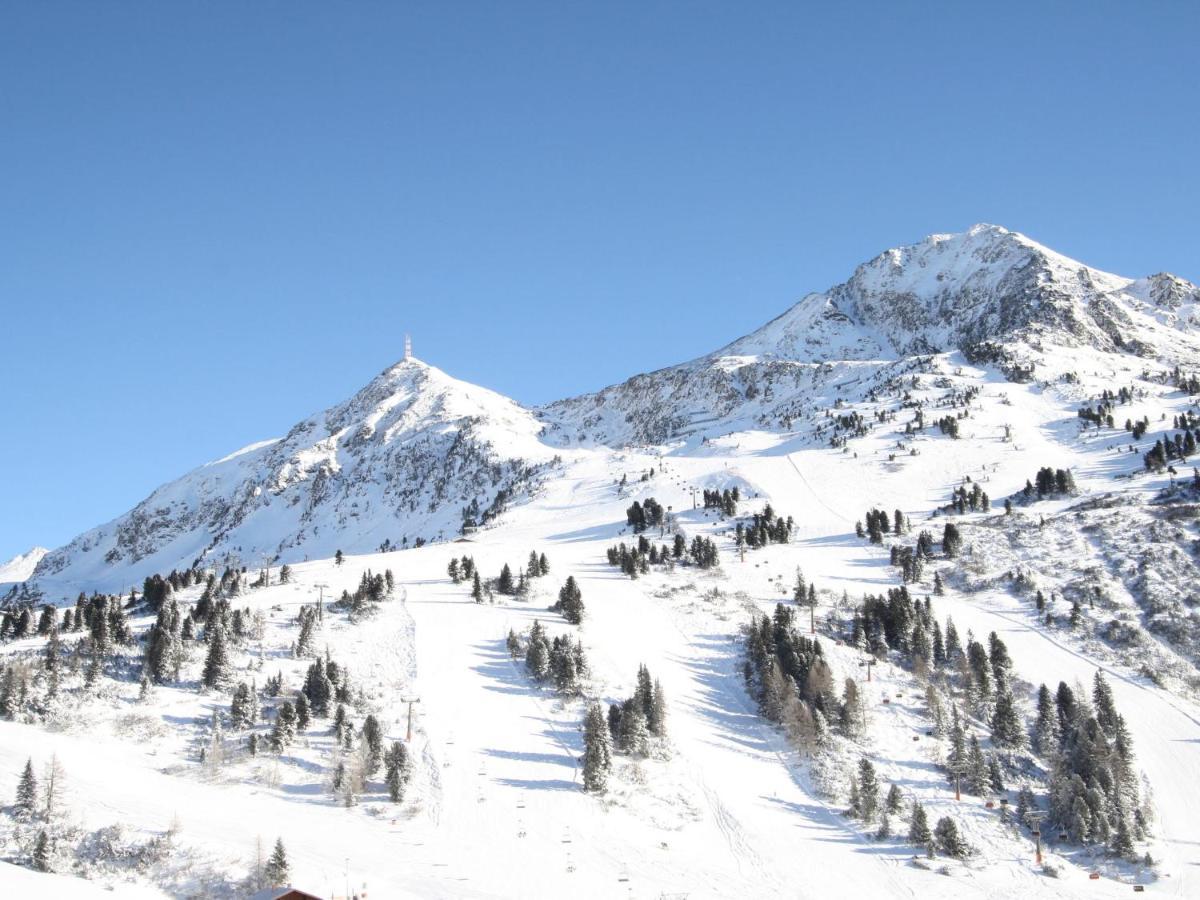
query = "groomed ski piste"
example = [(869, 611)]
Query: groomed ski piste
[(495, 807)]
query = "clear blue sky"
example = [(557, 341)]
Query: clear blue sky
[(216, 218)]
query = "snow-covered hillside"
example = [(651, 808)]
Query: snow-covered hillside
[(21, 566), (928, 390), (401, 460)]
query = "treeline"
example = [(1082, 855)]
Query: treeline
[(505, 583), (632, 727), (637, 560), (644, 515), (558, 661), (764, 528), (726, 501)]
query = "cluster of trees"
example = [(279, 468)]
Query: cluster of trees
[(866, 804), (648, 514), (879, 524), (846, 426), (787, 675), (637, 560), (461, 569), (764, 528), (1100, 416), (634, 722), (506, 583), (1049, 483), (948, 425), (726, 501), (40, 800), (1168, 449), (371, 590), (1094, 791), (536, 567), (570, 601), (974, 500), (557, 660)]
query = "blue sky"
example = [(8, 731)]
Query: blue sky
[(218, 218)]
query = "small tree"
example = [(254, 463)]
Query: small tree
[(41, 852), (949, 841), (278, 872), (597, 754), (338, 558), (27, 789), (918, 827)]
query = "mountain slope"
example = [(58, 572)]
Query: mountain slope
[(398, 461), (415, 452), (993, 294)]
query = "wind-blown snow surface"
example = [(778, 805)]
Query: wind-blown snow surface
[(495, 808), (21, 566)]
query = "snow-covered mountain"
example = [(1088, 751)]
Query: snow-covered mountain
[(804, 739), (415, 451), (406, 457), (993, 294), (21, 566)]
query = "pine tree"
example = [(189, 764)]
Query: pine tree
[(570, 601), (302, 712), (893, 802), (505, 583), (868, 789), (1045, 728), (27, 789), (885, 827), (284, 730), (277, 872), (397, 766), (918, 827), (949, 841), (1007, 730), (372, 736), (657, 721), (597, 754), (477, 589), (216, 664), (635, 736), (41, 852)]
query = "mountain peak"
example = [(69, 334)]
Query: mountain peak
[(21, 566)]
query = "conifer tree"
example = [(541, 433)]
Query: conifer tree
[(868, 789), (477, 588), (397, 768), (216, 664), (894, 801), (41, 852), (302, 712), (949, 841), (1045, 728), (372, 736), (284, 730), (1007, 730), (27, 789), (597, 753), (918, 826), (278, 872)]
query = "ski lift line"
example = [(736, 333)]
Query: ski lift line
[(817, 496)]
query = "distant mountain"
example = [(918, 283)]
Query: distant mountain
[(992, 294), (416, 453), (21, 566), (407, 456)]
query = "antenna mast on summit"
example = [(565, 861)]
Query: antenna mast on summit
[(407, 347)]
